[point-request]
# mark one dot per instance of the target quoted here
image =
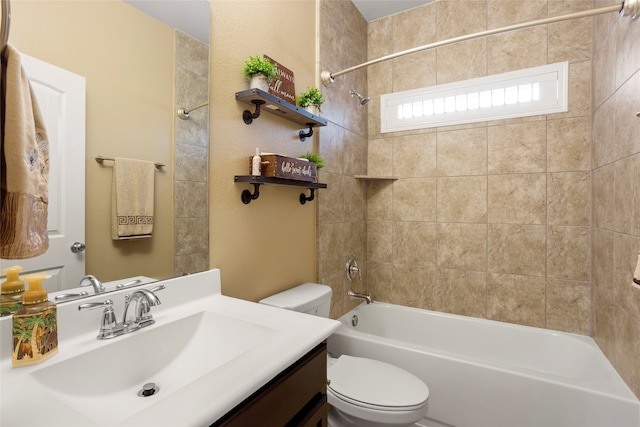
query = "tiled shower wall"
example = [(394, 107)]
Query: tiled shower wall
[(493, 219), (191, 209), (343, 145), (616, 199)]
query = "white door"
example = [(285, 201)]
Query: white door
[(61, 97)]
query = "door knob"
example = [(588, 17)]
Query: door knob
[(77, 247)]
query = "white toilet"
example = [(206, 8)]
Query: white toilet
[(361, 391)]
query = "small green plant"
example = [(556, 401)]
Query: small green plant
[(259, 65), (315, 158), (311, 96)]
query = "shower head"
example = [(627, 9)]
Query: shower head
[(362, 99)]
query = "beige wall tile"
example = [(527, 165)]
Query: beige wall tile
[(414, 199), (516, 299), (603, 134), (602, 248), (568, 306), (603, 323), (507, 12), (604, 61), (517, 148), (457, 18), (568, 253), (627, 331), (462, 246), (516, 249), (379, 241), (380, 200), (380, 38), (518, 198), (627, 125), (603, 197), (568, 144), (462, 199), (405, 24), (627, 197), (414, 156), (569, 198), (570, 40), (379, 279), (461, 292), (626, 250), (472, 53), (579, 91), (505, 52), (462, 152), (380, 157), (414, 243), (414, 71), (627, 55), (414, 285)]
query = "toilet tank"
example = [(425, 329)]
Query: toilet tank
[(310, 298)]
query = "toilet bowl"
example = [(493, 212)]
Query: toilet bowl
[(361, 392), (367, 392)]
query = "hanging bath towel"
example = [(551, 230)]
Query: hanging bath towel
[(24, 165), (132, 199)]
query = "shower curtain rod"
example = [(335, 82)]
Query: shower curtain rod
[(183, 113), (629, 8)]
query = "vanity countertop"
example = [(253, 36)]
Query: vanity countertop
[(25, 400)]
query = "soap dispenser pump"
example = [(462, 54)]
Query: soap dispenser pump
[(12, 290), (35, 325)]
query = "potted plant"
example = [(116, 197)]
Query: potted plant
[(260, 71), (311, 100), (314, 158)]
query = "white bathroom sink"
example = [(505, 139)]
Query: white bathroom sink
[(103, 384)]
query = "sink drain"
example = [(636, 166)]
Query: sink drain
[(149, 389)]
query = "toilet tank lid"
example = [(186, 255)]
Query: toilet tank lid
[(299, 298)]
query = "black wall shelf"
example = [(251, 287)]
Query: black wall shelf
[(257, 181), (264, 101)]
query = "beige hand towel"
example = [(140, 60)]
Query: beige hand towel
[(132, 199), (24, 165)]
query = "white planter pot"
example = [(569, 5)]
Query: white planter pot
[(258, 81), (313, 109)]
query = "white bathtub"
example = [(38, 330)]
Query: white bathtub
[(483, 373)]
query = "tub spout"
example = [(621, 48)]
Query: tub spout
[(366, 297)]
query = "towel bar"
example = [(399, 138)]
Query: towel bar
[(101, 159)]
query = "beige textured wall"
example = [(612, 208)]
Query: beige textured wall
[(127, 60), (343, 145), (489, 220), (616, 204), (269, 245)]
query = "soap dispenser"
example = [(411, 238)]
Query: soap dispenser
[(12, 290), (35, 325)]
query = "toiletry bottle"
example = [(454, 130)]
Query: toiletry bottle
[(12, 289), (35, 325), (256, 164)]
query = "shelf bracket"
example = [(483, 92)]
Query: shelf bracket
[(248, 117), (304, 199), (246, 195), (306, 135)]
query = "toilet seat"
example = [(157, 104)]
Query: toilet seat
[(375, 385)]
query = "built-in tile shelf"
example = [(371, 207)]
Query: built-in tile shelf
[(375, 177), (257, 181), (264, 101)]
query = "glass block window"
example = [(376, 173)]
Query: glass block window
[(528, 92)]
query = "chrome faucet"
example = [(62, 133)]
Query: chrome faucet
[(139, 316), (366, 297), (92, 280)]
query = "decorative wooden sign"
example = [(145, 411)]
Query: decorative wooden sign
[(284, 87), (275, 165)]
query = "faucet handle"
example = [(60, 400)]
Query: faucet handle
[(109, 327)]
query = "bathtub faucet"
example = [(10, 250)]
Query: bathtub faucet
[(366, 297)]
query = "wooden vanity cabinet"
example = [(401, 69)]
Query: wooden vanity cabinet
[(297, 397)]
